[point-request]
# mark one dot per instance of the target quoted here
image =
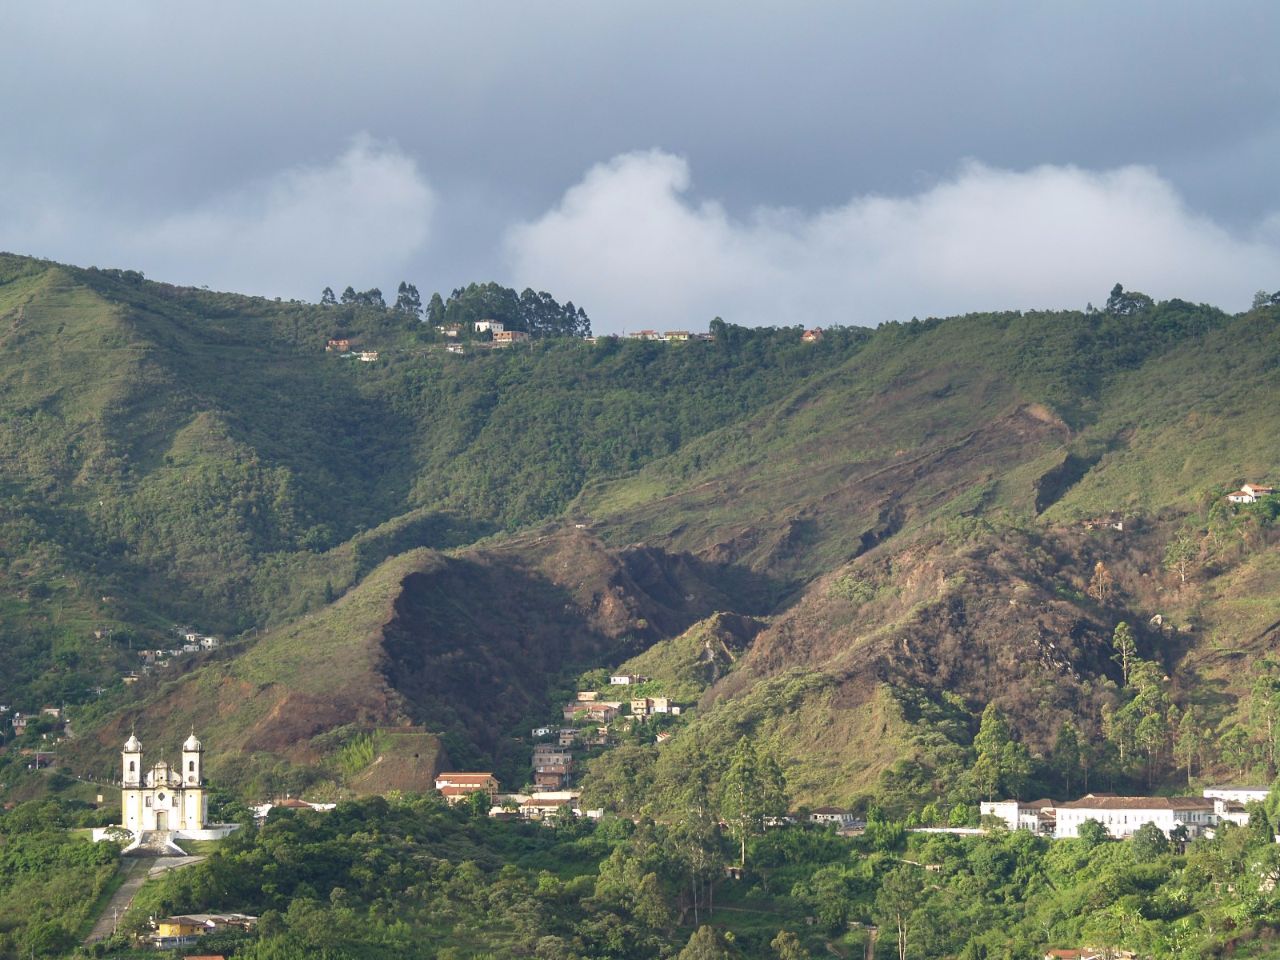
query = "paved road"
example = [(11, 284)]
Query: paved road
[(137, 870)]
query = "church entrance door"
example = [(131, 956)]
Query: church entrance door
[(162, 819)]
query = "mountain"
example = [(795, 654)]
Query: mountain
[(846, 549)]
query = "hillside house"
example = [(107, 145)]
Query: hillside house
[(604, 711), (1036, 816), (1251, 493), (455, 348), (55, 712), (543, 731), (367, 356), (836, 815), (546, 753), (489, 326), (1238, 793), (573, 710), (450, 330), (547, 804), (646, 335), (811, 336), (455, 786), (19, 723), (677, 335), (553, 776), (1122, 816), (567, 737), (337, 345), (209, 643), (625, 680), (586, 696), (504, 338)]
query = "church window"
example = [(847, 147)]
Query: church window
[(147, 801), (191, 766), (175, 799), (132, 766)]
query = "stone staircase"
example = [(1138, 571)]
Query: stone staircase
[(155, 843)]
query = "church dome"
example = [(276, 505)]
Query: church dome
[(192, 743), (132, 745)]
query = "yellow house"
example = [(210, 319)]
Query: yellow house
[(180, 927)]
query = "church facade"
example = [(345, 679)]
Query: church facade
[(163, 797)]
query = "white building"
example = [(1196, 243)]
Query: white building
[(1237, 794), (837, 815), (1250, 493), (1123, 816), (1036, 816), (491, 326), (168, 801)]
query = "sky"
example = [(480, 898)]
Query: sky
[(659, 164)]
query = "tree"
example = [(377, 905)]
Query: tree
[(705, 944), (1066, 754), (1264, 299), (1264, 712), (327, 299), (1092, 833), (786, 945), (407, 300), (435, 310), (1126, 649), (751, 789), (900, 892), (1122, 304), (1101, 584), (1180, 556), (1002, 764), (1187, 742), (1148, 843), (349, 296)]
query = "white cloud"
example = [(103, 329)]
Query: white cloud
[(629, 244), (357, 219)]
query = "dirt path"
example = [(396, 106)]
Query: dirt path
[(137, 870)]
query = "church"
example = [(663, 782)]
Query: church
[(163, 798)]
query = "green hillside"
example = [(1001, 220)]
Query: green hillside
[(847, 548)]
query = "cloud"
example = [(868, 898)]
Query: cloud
[(630, 244), (356, 219)]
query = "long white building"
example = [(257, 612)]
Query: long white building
[(1122, 816)]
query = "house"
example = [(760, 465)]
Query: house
[(1238, 793), (368, 356), (641, 707), (811, 336), (585, 696), (1037, 816), (55, 712), (1073, 953), (455, 348), (190, 648), (1251, 493), (450, 330), (490, 326), (662, 705), (625, 680), (337, 345), (545, 754), (567, 737), (571, 710), (543, 731), (677, 335), (837, 815), (547, 804), (19, 723), (604, 711), (663, 737), (1122, 816), (504, 338), (209, 643), (646, 335), (458, 786), (552, 776)]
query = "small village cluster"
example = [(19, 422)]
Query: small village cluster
[(191, 642), (554, 756), (1178, 818), (499, 336)]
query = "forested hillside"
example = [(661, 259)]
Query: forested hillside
[(897, 514)]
